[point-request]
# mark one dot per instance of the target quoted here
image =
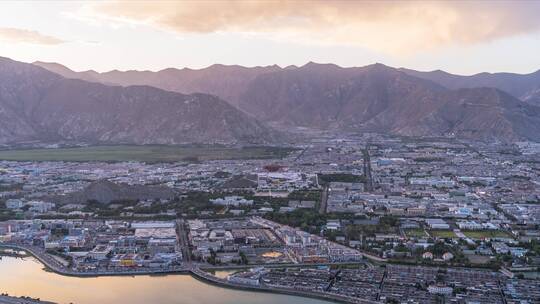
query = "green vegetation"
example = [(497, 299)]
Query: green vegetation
[(304, 195), (444, 234), (415, 233), (307, 220), (146, 153), (482, 234), (385, 225), (243, 258), (6, 214)]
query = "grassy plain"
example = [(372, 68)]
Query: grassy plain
[(146, 153), (446, 234), (417, 233), (482, 234)]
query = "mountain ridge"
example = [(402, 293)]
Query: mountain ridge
[(36, 104), (372, 98)]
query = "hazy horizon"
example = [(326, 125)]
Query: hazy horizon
[(281, 66)]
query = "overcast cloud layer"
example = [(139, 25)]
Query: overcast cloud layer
[(392, 27)]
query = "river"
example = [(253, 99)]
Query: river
[(26, 277)]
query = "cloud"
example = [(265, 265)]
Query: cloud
[(389, 26), (16, 35)]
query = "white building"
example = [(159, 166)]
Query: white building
[(469, 225), (427, 255), (232, 201), (14, 204), (40, 206), (442, 290), (437, 224), (245, 278), (447, 256)]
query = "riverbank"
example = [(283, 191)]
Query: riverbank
[(22, 277), (53, 265)]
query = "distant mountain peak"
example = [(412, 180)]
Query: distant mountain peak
[(312, 64)]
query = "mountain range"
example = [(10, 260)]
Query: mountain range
[(48, 102), (39, 105), (374, 98), (523, 86)]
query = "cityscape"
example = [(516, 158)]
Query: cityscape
[(270, 151), (430, 220)]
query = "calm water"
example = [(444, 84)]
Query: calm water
[(26, 277)]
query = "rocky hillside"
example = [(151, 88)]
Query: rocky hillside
[(479, 113), (374, 98), (382, 99), (227, 82), (522, 86), (36, 104)]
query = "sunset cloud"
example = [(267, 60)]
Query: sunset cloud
[(393, 27), (16, 35)]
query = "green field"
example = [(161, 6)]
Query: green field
[(445, 234), (146, 153), (482, 234), (416, 233)]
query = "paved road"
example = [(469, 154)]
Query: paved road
[(277, 265), (183, 240), (324, 200), (367, 169)]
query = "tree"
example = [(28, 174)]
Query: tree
[(243, 258)]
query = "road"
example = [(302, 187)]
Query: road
[(278, 265), (183, 240), (367, 169), (324, 200)]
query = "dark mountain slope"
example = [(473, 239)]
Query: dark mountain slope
[(523, 86), (374, 98), (479, 113), (382, 99), (227, 82), (40, 105)]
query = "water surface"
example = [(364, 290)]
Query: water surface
[(26, 277)]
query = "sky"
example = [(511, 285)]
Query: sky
[(462, 37)]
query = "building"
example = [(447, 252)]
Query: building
[(245, 278), (442, 290), (232, 201), (437, 224), (40, 206), (100, 252), (447, 256), (14, 204), (469, 225)]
